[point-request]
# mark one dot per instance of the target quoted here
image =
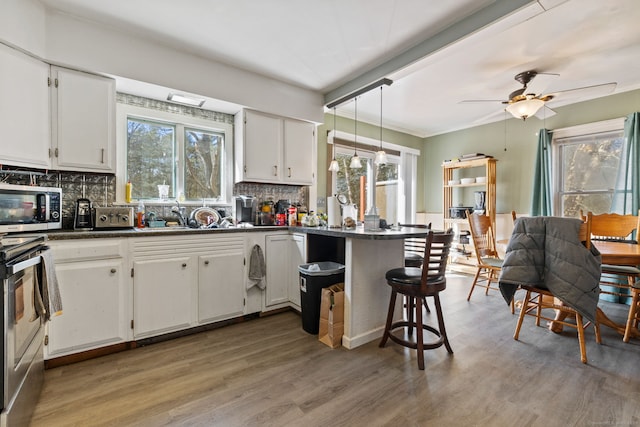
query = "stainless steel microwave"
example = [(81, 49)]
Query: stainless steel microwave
[(28, 208)]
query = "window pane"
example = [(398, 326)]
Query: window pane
[(150, 157), (591, 165), (203, 164), (348, 180), (387, 192)]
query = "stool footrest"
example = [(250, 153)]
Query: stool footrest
[(412, 344)]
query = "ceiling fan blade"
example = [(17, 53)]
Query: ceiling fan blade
[(475, 101), (586, 92), (545, 112), (540, 83)]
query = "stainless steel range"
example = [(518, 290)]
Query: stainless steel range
[(21, 269)]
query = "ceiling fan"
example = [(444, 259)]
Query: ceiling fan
[(525, 102)]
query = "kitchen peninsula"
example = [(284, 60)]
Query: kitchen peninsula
[(367, 256)]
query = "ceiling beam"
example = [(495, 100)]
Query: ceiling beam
[(359, 92), (461, 29)]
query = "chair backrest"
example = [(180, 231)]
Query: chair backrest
[(514, 216), (484, 240), (585, 233), (415, 245), (612, 226), (436, 252)]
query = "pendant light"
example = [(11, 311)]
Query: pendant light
[(381, 156), (334, 166), (355, 160)]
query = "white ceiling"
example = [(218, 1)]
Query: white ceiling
[(437, 53)]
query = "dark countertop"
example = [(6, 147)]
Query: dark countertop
[(360, 233), (150, 231)]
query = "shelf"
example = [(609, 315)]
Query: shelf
[(477, 184)]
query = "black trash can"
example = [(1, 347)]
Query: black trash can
[(314, 277)]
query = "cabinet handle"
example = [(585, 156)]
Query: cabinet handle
[(184, 264), (113, 271), (206, 263), (102, 156), (289, 172), (275, 170)]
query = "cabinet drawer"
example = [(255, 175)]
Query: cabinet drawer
[(84, 250)]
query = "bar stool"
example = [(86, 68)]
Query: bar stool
[(416, 284)]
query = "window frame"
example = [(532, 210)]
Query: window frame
[(407, 165), (181, 122), (606, 126)]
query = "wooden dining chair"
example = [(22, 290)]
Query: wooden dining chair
[(417, 284), (538, 299), (634, 312), (616, 280), (488, 261)]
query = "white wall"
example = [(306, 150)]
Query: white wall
[(65, 40), (22, 24)]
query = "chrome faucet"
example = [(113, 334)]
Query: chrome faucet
[(179, 211)]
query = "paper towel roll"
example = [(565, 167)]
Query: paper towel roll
[(334, 218)]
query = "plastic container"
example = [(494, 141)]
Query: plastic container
[(127, 192), (313, 278), (140, 215)]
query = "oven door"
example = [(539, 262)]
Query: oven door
[(23, 327)]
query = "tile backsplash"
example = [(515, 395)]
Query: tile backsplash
[(101, 190)]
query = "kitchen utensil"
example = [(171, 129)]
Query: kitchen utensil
[(204, 216)]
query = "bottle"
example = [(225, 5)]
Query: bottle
[(127, 192), (140, 214)]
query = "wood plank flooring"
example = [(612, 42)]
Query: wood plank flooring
[(269, 372)]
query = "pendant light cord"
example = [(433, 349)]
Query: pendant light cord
[(355, 130)]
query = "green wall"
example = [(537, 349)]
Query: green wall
[(515, 165)]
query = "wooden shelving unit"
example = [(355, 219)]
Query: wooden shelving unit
[(462, 195)]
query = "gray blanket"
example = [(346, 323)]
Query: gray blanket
[(546, 252)]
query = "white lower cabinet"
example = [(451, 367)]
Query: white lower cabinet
[(93, 287), (184, 281), (220, 285), (162, 294), (284, 253)]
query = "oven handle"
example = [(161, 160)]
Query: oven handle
[(23, 265)]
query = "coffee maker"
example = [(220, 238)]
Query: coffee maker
[(245, 209), (83, 217)]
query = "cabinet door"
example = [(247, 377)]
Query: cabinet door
[(278, 274), (94, 306), (83, 121), (299, 150), (298, 256), (220, 286), (24, 109), (162, 295), (262, 147)]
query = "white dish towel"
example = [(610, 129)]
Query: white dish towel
[(257, 268)]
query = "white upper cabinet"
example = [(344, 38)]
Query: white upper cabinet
[(83, 121), (273, 149), (24, 109), (299, 152)]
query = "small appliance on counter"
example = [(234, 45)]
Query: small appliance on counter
[(114, 217), (245, 209), (83, 218)]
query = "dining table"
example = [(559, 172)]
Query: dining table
[(617, 253)]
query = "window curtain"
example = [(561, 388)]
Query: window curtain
[(541, 203), (632, 164)]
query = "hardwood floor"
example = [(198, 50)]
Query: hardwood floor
[(269, 372)]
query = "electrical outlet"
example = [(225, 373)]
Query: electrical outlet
[(322, 202)]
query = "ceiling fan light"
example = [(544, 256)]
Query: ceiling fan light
[(355, 162), (381, 157), (525, 108), (334, 166)]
